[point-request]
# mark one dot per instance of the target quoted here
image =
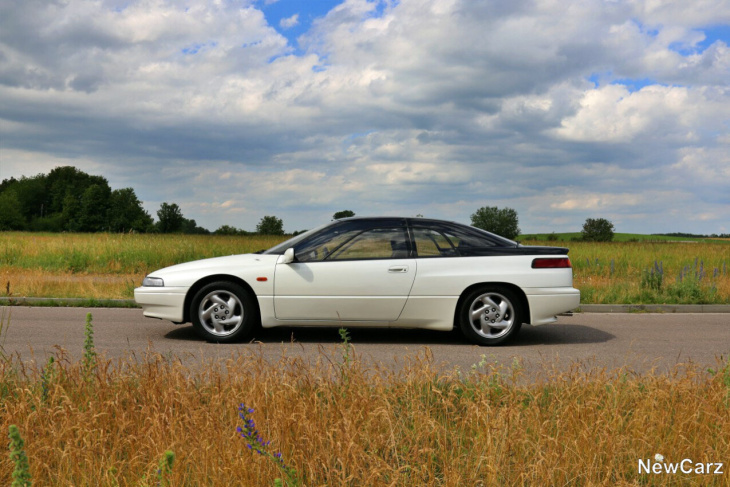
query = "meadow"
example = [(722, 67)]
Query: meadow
[(617, 237), (110, 266), (333, 420)]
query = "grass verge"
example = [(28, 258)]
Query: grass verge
[(69, 302)]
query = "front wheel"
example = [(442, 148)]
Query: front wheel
[(490, 315), (223, 312)]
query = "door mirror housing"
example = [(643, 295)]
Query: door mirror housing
[(287, 257)]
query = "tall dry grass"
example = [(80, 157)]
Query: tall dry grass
[(338, 421)]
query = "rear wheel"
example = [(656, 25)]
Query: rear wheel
[(223, 312), (490, 315)]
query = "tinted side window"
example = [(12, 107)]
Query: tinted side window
[(336, 237), (463, 241), (430, 243), (319, 248), (378, 243)]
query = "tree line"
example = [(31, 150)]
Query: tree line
[(69, 200)]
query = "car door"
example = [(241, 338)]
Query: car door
[(359, 271)]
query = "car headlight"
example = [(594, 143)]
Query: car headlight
[(152, 282)]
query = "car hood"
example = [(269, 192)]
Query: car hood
[(189, 272)]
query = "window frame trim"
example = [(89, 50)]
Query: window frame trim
[(387, 223), (444, 226)]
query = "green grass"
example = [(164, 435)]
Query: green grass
[(108, 253), (68, 302), (620, 272), (109, 266), (617, 237)]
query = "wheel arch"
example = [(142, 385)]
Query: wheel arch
[(215, 278), (523, 304)]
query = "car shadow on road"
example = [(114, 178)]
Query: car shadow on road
[(556, 334)]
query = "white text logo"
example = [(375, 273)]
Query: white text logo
[(687, 465)]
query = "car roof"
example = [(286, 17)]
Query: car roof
[(409, 218), (414, 220)]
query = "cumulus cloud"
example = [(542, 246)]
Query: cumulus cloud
[(418, 106), (289, 22)]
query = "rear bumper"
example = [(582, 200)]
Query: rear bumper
[(545, 303), (165, 303)]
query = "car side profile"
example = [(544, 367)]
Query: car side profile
[(370, 272)]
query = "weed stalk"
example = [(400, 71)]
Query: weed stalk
[(89, 351), (164, 469), (21, 474), (255, 442)]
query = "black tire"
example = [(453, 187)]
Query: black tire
[(491, 315), (223, 312)]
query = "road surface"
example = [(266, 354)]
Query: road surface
[(639, 341)]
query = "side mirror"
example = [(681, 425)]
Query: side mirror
[(287, 258)]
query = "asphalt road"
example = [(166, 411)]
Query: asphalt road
[(638, 341)]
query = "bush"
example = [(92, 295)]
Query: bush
[(500, 221), (597, 230), (343, 214), (230, 231), (270, 225)]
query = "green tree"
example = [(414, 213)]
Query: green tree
[(94, 208), (597, 230), (7, 184), (229, 230), (71, 212), (191, 227), (63, 179), (49, 223), (500, 221), (170, 218), (343, 214), (126, 212), (32, 196), (270, 225), (10, 216)]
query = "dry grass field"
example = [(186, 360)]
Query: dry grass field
[(338, 422), (110, 266)]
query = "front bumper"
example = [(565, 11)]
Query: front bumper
[(165, 303), (545, 303)]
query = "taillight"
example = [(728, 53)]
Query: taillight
[(546, 263)]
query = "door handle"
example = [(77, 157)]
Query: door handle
[(398, 269)]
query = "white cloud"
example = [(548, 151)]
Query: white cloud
[(289, 22), (611, 113), (420, 173), (598, 201)]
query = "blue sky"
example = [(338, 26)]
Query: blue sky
[(239, 109), (294, 18)]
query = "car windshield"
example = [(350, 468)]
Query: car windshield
[(280, 248)]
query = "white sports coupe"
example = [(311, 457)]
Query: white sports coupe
[(370, 272)]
